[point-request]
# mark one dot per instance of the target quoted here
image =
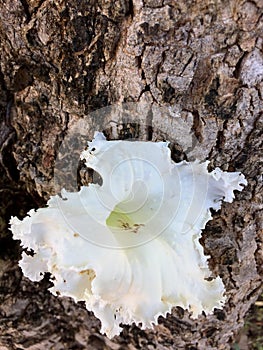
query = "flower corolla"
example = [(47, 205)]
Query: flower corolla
[(130, 247)]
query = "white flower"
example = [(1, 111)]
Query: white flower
[(130, 247)]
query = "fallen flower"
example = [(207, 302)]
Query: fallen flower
[(130, 247)]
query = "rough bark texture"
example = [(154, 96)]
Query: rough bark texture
[(61, 60)]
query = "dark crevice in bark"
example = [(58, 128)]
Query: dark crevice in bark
[(26, 9), (197, 126), (149, 125), (131, 10), (7, 141), (187, 64), (236, 72), (256, 291), (220, 140)]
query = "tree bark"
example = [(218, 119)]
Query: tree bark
[(202, 62)]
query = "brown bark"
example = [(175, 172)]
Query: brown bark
[(62, 60)]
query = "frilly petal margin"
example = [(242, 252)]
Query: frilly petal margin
[(130, 248)]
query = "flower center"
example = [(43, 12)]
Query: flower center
[(118, 219)]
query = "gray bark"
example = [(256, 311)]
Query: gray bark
[(200, 60)]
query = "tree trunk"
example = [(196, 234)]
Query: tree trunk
[(195, 69)]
